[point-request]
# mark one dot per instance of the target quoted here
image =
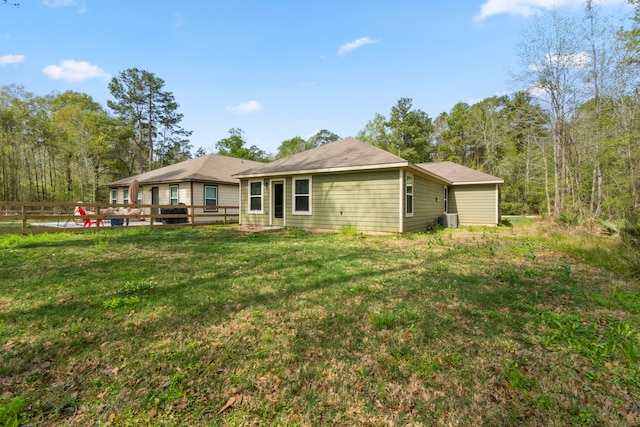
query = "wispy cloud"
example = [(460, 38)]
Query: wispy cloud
[(59, 3), (246, 107), (5, 36), (54, 4), (11, 59), (346, 48), (179, 20), (531, 7), (75, 71)]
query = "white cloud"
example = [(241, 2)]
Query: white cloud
[(531, 7), (179, 20), (577, 60), (59, 3), (5, 36), (11, 59), (54, 4), (74, 71), (537, 91), (346, 48), (246, 107)]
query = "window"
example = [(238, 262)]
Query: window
[(114, 197), (211, 198), (302, 196), (173, 195), (255, 196), (125, 197), (446, 199), (409, 194)]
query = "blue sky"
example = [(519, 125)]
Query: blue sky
[(275, 69)]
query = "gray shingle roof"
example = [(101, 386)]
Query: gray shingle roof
[(347, 153), (213, 168), (458, 174)]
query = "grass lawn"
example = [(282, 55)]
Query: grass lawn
[(210, 326)]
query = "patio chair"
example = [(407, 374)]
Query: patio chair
[(87, 222)]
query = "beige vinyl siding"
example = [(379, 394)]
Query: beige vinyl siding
[(164, 195), (368, 201), (251, 218), (428, 204), (227, 196), (475, 204)]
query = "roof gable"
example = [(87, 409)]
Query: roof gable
[(208, 168), (458, 174), (343, 154)]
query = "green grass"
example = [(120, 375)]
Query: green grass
[(497, 326)]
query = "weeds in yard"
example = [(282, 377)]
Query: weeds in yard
[(498, 326), (12, 413)]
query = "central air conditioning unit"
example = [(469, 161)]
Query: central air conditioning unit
[(451, 220)]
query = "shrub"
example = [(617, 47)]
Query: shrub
[(11, 412), (506, 222), (569, 218), (630, 236), (513, 208)]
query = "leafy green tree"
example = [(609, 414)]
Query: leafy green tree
[(83, 130), (375, 133), (487, 132), (322, 137), (410, 132), (291, 146), (298, 144), (407, 133), (140, 99), (453, 143), (234, 146), (25, 146)]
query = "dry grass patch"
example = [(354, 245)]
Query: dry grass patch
[(210, 326)]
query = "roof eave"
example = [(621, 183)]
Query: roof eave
[(430, 174), (477, 182), (323, 170), (173, 181)]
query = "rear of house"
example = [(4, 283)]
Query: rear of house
[(346, 183), (472, 195), (203, 181)]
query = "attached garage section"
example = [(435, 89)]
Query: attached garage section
[(476, 204)]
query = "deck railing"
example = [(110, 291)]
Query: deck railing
[(36, 217)]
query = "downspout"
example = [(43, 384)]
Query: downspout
[(498, 213), (240, 203), (401, 210), (193, 210)]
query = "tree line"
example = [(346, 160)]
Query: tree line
[(567, 144)]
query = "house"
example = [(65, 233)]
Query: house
[(202, 181), (473, 195), (348, 183)]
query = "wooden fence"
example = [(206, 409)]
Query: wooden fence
[(39, 217)]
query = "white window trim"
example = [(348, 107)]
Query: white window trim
[(413, 192), (261, 197), (177, 194), (205, 198), (272, 199), (293, 195), (125, 196), (114, 201)]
